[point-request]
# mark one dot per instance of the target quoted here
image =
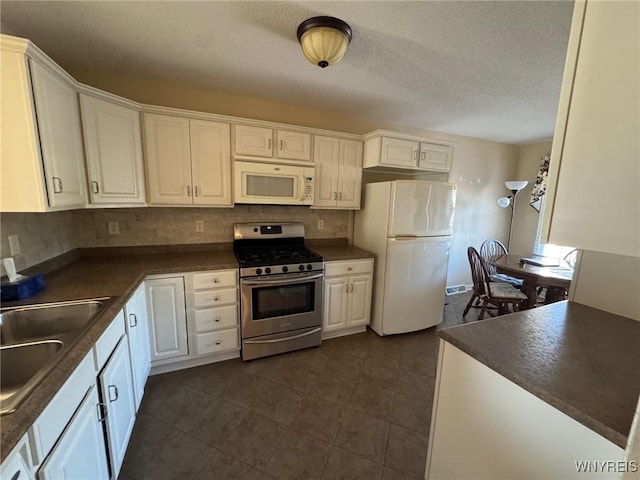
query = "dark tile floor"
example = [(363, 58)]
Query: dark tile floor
[(357, 407)]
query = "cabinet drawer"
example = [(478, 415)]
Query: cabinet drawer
[(211, 298), (223, 278), (216, 341), (333, 269), (216, 318), (108, 341)]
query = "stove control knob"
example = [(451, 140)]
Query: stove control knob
[(309, 267), (301, 267), (285, 269), (255, 229), (267, 270), (258, 271)]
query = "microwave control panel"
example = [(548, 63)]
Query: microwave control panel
[(308, 190)]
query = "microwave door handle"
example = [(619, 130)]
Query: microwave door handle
[(285, 339), (284, 281)]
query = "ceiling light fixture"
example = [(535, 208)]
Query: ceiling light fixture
[(324, 40)]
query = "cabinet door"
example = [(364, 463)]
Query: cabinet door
[(593, 200), (326, 154), (114, 152), (350, 174), (399, 153), (116, 391), (80, 451), (254, 141), (60, 131), (359, 300), (168, 159), (435, 157), (211, 162), (138, 335), (335, 303), (167, 318), (293, 145)]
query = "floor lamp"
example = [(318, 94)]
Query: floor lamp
[(515, 186)]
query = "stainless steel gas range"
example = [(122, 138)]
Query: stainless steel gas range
[(281, 289)]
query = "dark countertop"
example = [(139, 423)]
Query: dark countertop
[(583, 361), (114, 272)]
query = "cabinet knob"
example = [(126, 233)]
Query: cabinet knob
[(96, 186), (216, 298), (216, 280), (218, 342), (349, 268), (133, 320), (116, 394), (57, 184), (217, 319)]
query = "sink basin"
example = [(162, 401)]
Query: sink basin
[(46, 320), (33, 339), (23, 364)]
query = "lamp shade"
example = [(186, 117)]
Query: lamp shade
[(324, 40), (504, 202), (516, 185)]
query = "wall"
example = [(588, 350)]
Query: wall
[(608, 282), (525, 220), (42, 236), (479, 168), (161, 226)]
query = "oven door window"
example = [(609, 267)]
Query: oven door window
[(280, 301)]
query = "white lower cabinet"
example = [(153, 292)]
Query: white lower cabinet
[(80, 453), (193, 319), (138, 335), (116, 392), (167, 318), (19, 463), (347, 298)]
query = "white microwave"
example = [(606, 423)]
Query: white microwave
[(270, 183)]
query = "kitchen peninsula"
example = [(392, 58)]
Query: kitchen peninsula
[(515, 393)]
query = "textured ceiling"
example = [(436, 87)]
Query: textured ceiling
[(482, 69)]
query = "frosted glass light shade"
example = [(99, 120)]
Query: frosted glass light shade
[(504, 202), (516, 184), (324, 40)]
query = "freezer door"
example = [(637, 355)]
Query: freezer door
[(421, 208), (416, 274)]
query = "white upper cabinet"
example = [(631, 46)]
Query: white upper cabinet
[(210, 162), (383, 151), (42, 157), (260, 142), (593, 199), (338, 164), (114, 152), (188, 161)]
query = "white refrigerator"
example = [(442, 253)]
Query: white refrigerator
[(408, 225)]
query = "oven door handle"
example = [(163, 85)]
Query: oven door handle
[(285, 339), (283, 281)]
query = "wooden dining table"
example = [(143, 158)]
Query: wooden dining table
[(556, 279)]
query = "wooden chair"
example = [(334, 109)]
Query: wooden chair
[(490, 294), (491, 250), (570, 258)]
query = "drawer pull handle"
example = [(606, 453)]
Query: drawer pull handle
[(218, 342), (101, 411), (115, 393), (16, 475), (217, 319)]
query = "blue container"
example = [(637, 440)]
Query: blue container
[(23, 288)]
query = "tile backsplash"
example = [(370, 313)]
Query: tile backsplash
[(46, 235), (41, 236)]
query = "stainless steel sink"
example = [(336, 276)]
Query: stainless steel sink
[(33, 339), (46, 320)]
